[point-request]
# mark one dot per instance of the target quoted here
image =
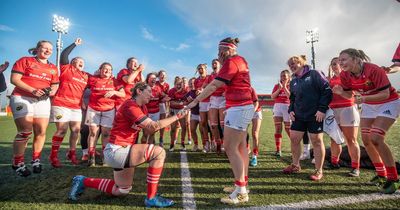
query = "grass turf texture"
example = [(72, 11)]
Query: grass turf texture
[(209, 173)]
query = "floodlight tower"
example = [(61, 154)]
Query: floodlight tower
[(311, 37), (60, 25)]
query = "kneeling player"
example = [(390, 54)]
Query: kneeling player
[(124, 155)]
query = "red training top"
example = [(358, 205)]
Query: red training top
[(337, 100), (99, 87), (282, 97), (372, 80), (126, 125), (72, 85), (127, 86), (235, 74), (154, 104), (198, 85), (35, 74), (177, 96)]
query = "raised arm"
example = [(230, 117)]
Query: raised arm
[(65, 53)]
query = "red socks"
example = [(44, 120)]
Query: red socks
[(380, 169), (36, 155), (153, 176), (104, 185), (55, 145), (255, 151), (17, 159), (278, 140), (392, 173), (334, 160), (355, 165)]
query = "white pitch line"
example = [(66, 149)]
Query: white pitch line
[(329, 202), (187, 190)]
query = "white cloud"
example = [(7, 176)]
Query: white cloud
[(147, 35), (272, 31), (181, 46), (6, 28)]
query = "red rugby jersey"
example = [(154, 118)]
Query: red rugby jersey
[(177, 96), (396, 56), (254, 98), (99, 87), (198, 84), (372, 80), (282, 97), (337, 100), (221, 90), (127, 86), (235, 74), (126, 125), (154, 104), (35, 74), (72, 85), (164, 87)]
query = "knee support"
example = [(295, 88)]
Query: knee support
[(152, 153), (365, 131), (124, 190), (23, 136), (287, 125), (378, 131)]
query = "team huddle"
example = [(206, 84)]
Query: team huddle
[(222, 104)]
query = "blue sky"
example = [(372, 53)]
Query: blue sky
[(176, 35)]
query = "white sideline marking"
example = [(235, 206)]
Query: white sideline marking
[(187, 190), (329, 202)]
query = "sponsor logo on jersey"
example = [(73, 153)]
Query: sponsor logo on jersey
[(368, 83), (387, 112), (59, 116)]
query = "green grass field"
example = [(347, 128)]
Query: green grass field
[(209, 174)]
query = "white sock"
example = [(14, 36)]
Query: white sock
[(306, 148), (240, 189)]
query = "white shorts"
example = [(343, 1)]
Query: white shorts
[(239, 117), (390, 110), (347, 116), (257, 115), (217, 102), (204, 106), (63, 114), (175, 111), (115, 155), (195, 117), (154, 116), (23, 106), (94, 118), (281, 110), (163, 108)]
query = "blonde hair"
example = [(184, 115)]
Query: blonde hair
[(330, 70), (33, 51), (177, 79), (200, 65), (298, 59), (105, 64)]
